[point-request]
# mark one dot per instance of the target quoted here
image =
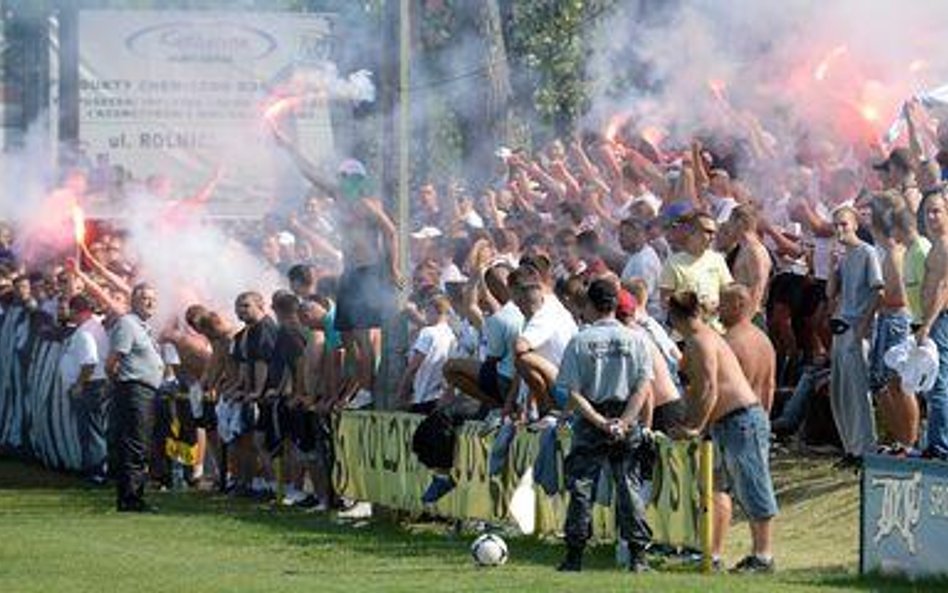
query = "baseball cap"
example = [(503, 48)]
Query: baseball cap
[(626, 304), (352, 167), (675, 211)]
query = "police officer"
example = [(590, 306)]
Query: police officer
[(605, 370)]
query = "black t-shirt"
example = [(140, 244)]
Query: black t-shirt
[(287, 353), (256, 343)]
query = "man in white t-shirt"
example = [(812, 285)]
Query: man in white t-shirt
[(82, 368), (643, 261), (548, 329), (423, 381)]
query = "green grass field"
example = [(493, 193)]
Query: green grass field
[(57, 534)]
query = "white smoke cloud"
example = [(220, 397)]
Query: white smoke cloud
[(767, 56)]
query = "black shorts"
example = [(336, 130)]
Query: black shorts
[(492, 383), (272, 422), (208, 419), (303, 429), (365, 298)]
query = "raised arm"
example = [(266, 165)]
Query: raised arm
[(109, 276), (306, 167)]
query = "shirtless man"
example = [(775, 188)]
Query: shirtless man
[(752, 266), (935, 320), (894, 320), (370, 266), (221, 375), (752, 347), (721, 402)]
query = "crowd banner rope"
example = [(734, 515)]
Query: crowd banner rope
[(374, 462), (37, 417)]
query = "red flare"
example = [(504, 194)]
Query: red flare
[(653, 135), (280, 106), (78, 223), (612, 128)]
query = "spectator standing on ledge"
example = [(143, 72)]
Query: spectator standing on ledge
[(856, 282), (137, 370)]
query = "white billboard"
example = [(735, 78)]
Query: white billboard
[(185, 94)]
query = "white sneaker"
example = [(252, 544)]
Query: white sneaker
[(260, 485), (362, 399), (360, 510), (293, 496)]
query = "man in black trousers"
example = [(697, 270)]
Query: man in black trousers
[(136, 368)]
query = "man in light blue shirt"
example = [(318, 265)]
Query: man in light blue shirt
[(605, 369)]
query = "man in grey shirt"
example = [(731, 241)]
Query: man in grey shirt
[(136, 368), (605, 369), (857, 284)]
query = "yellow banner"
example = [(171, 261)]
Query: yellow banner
[(374, 462)]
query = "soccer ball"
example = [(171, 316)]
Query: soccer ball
[(489, 550)]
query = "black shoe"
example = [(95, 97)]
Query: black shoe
[(573, 561), (136, 506), (638, 564), (849, 461), (754, 564)]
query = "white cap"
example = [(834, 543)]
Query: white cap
[(428, 232)]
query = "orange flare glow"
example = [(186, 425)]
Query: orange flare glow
[(279, 107), (869, 112), (717, 87), (612, 128), (653, 135), (78, 224)]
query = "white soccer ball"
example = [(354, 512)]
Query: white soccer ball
[(489, 550)]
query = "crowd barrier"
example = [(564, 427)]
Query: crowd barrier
[(37, 417), (374, 461)]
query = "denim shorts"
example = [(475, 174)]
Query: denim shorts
[(741, 461), (891, 329)]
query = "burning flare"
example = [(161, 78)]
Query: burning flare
[(78, 223), (280, 106)]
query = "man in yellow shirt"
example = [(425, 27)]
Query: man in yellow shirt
[(697, 268)]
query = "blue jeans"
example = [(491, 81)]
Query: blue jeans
[(937, 398), (742, 461), (891, 329), (794, 410)]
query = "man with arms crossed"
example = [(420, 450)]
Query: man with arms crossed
[(722, 403)]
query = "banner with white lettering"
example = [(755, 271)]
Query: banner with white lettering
[(180, 96), (904, 517)]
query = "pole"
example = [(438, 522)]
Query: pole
[(706, 483), (404, 131)]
